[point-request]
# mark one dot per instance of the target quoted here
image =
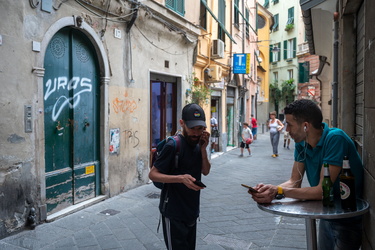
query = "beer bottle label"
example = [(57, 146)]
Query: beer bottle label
[(345, 190)]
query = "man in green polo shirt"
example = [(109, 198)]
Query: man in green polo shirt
[(316, 143)]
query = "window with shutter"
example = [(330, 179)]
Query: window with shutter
[(177, 6), (291, 15), (275, 26), (266, 4), (304, 71), (247, 15), (236, 13), (221, 17)]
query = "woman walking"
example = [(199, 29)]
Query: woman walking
[(275, 126)]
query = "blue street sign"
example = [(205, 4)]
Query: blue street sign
[(241, 63)]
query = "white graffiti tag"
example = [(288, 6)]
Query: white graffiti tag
[(62, 101)]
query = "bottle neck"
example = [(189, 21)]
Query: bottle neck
[(345, 164), (326, 172)]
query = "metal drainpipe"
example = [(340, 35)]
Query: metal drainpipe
[(135, 6), (209, 48), (335, 74)]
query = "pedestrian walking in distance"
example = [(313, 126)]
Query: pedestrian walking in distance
[(275, 126), (247, 138), (254, 127)]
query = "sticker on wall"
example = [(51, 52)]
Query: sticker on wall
[(114, 144)]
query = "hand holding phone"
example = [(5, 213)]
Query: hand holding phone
[(250, 188), (199, 183)]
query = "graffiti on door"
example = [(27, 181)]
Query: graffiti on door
[(78, 84)]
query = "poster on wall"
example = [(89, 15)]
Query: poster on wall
[(114, 141)]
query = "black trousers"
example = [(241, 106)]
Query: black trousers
[(179, 235)]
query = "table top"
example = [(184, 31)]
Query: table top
[(312, 209)]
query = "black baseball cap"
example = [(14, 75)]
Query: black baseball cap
[(193, 115)]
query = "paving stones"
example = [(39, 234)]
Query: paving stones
[(229, 218)]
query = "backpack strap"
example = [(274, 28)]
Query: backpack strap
[(177, 145), (177, 152)]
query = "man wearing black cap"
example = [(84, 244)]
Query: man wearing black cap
[(179, 200)]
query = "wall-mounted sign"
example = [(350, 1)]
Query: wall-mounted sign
[(241, 63)]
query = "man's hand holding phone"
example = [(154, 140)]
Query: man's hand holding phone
[(199, 183), (251, 190)]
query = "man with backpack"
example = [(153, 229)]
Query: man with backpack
[(179, 200)]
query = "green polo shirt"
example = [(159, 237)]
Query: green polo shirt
[(331, 148)]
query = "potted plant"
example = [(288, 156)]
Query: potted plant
[(289, 26)]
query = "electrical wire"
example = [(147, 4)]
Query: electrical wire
[(163, 49), (301, 160), (117, 19)]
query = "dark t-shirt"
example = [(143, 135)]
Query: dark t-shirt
[(183, 203)]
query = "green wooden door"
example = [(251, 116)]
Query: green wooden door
[(71, 120)]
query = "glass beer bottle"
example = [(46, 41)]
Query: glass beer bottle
[(327, 187), (347, 187)]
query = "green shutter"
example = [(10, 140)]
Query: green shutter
[(294, 47), (301, 73), (236, 12), (285, 49), (279, 53), (180, 7), (221, 17), (176, 5), (276, 22), (292, 14), (271, 55), (247, 23)]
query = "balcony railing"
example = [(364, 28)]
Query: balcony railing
[(303, 48)]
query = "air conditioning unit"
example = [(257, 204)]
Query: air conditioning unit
[(217, 49), (214, 73)]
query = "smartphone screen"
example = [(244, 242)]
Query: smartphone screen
[(250, 188)]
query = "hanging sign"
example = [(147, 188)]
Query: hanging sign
[(241, 63)]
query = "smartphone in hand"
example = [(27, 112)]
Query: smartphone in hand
[(199, 183), (250, 188)]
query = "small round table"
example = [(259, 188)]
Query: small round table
[(312, 210)]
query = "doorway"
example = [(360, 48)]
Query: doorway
[(163, 108), (71, 120)]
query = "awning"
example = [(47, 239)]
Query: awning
[(217, 20), (308, 4)]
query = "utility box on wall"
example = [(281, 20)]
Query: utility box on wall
[(213, 74), (217, 49)]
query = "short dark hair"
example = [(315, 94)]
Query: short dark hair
[(305, 110)]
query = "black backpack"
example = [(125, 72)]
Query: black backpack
[(156, 152)]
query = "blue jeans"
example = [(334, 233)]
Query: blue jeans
[(254, 130), (340, 234), (275, 141)]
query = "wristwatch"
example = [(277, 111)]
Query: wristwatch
[(280, 193)]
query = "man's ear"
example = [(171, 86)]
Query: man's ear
[(182, 123)]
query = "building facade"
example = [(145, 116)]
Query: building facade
[(283, 52), (96, 85), (265, 23), (99, 83)]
